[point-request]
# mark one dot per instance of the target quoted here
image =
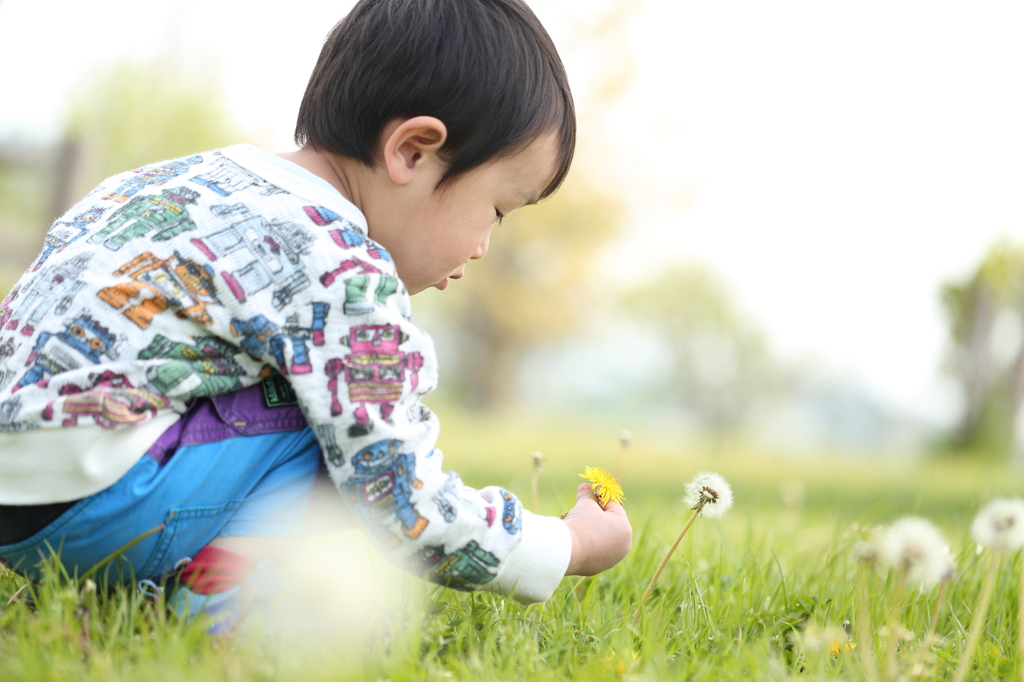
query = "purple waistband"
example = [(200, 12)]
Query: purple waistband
[(267, 407)]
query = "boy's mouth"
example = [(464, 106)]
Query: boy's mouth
[(444, 282)]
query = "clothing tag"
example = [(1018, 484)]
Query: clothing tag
[(277, 392)]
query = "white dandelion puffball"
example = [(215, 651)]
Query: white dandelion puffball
[(1000, 525), (713, 490), (916, 549)]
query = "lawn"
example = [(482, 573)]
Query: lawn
[(766, 593)]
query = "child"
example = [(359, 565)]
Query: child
[(201, 336)]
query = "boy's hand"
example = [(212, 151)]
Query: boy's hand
[(601, 538)]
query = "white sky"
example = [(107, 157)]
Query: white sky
[(834, 161)]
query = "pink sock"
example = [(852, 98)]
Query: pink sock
[(215, 570)]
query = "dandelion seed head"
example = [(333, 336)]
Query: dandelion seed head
[(604, 485), (915, 548), (537, 457), (1000, 525), (866, 552), (625, 436), (710, 493)]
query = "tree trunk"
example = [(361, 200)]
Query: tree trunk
[(65, 178), (977, 363), (1015, 386), (487, 359)]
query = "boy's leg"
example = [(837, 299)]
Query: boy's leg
[(237, 572), (183, 504), (267, 525), (189, 491), (325, 513)]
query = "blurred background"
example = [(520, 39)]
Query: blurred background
[(793, 229)]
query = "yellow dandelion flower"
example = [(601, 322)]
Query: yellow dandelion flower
[(620, 661), (604, 486), (834, 649)]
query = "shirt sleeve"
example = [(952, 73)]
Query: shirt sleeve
[(360, 384)]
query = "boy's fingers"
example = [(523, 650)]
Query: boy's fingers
[(615, 508), (585, 493)]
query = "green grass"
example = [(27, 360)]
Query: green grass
[(761, 594)]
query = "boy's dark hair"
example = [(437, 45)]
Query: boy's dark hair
[(486, 68)]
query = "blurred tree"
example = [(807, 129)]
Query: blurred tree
[(986, 327), (720, 361), (126, 116), (534, 286), (537, 283), (135, 114), (24, 191)]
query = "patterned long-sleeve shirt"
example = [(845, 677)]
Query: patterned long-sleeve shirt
[(202, 276)]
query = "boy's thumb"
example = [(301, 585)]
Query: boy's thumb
[(584, 493)]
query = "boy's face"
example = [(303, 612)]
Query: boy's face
[(432, 234)]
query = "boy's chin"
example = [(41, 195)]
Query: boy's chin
[(440, 285)]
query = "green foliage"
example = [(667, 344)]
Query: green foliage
[(534, 286), (127, 116), (139, 113), (985, 314), (538, 282), (23, 195), (720, 362), (20, 179), (762, 594), (728, 608)]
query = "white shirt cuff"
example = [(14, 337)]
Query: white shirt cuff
[(535, 567)]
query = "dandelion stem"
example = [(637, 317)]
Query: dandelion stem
[(1020, 629), (533, 490), (938, 610), (978, 618), (534, 479), (895, 626), (866, 647), (664, 562), (926, 643)]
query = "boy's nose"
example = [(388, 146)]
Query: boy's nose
[(482, 249)]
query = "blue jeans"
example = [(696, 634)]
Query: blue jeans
[(232, 466)]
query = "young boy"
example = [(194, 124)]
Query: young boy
[(201, 336)]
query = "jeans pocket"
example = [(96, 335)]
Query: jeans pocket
[(185, 532)]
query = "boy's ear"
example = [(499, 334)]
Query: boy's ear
[(410, 145)]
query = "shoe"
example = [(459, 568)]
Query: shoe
[(236, 610)]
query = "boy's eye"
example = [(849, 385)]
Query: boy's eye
[(499, 215)]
